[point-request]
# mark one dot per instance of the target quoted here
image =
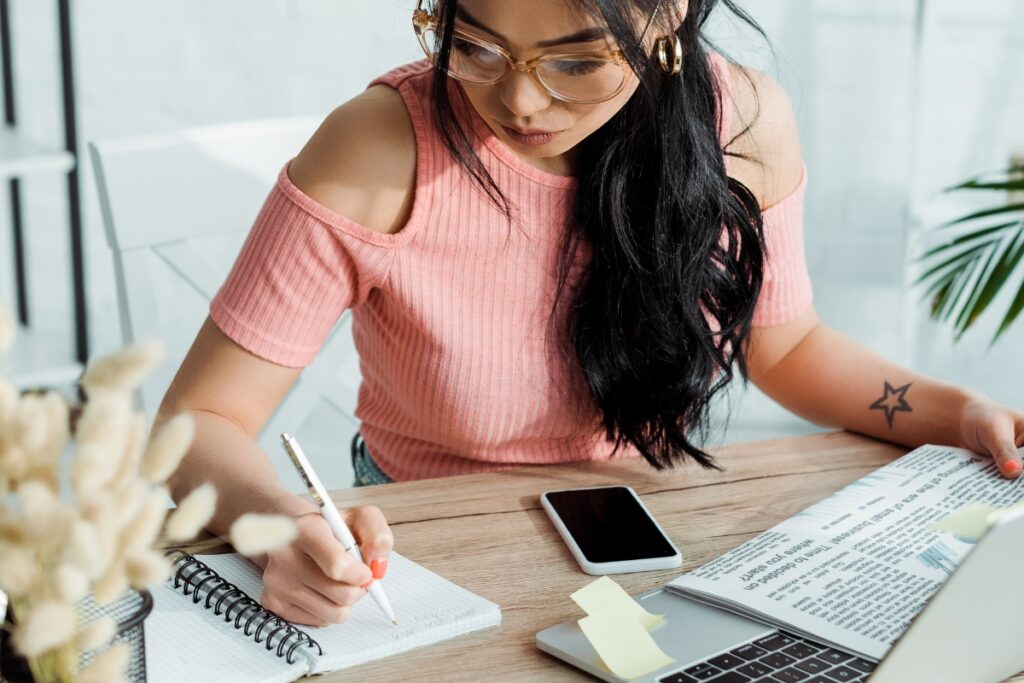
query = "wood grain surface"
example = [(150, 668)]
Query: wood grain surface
[(488, 533)]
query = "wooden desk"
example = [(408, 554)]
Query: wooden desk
[(489, 534)]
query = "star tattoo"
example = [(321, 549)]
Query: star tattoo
[(892, 401)]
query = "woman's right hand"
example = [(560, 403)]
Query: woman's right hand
[(313, 581)]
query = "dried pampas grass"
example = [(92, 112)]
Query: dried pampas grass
[(97, 634), (101, 439), (106, 667), (71, 582), (6, 329), (8, 401), (55, 549), (144, 528), (19, 572), (14, 461), (194, 511), (47, 457), (44, 517), (45, 626), (128, 500), (31, 423), (146, 567), (135, 443), (167, 448), (254, 534), (124, 371), (111, 585), (83, 549)]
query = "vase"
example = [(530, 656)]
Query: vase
[(129, 611)]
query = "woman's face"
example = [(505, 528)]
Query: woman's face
[(537, 127)]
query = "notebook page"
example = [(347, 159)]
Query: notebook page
[(429, 609), (185, 642)]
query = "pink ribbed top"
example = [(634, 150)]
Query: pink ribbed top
[(450, 314)]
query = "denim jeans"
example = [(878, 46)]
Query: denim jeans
[(367, 471)]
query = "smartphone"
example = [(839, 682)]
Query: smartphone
[(609, 531)]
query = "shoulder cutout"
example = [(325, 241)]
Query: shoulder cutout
[(763, 128), (361, 162)]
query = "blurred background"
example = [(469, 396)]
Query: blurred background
[(896, 100)]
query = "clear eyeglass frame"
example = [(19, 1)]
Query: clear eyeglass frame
[(424, 22)]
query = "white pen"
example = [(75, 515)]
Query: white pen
[(334, 520)]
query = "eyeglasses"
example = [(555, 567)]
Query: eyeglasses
[(580, 77)]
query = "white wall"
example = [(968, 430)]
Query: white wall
[(882, 132), (146, 67), (971, 120), (880, 138)]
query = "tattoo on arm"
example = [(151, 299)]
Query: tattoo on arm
[(891, 401)]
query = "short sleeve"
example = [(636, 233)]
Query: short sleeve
[(299, 269), (786, 291)]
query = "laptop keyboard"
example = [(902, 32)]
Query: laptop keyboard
[(777, 658)]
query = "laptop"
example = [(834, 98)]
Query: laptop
[(969, 632)]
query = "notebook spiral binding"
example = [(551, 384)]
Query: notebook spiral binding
[(202, 584)]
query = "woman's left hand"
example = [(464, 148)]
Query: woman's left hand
[(995, 430)]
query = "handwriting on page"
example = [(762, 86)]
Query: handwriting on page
[(429, 609), (429, 620)]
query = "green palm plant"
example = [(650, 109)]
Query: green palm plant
[(975, 256)]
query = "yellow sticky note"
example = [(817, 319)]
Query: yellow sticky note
[(973, 520), (970, 521), (624, 645), (604, 596)]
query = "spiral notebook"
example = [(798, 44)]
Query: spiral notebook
[(207, 624)]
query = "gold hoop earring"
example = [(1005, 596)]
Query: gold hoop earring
[(671, 43)]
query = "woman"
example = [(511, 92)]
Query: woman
[(557, 242)]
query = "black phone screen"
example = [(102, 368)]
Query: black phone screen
[(609, 525)]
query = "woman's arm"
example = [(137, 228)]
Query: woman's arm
[(230, 393), (827, 378), (823, 375), (361, 164)]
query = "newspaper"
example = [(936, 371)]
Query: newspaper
[(854, 569)]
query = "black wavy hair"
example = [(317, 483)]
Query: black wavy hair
[(675, 241)]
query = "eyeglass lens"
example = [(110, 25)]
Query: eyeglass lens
[(579, 79)]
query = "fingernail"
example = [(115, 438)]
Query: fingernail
[(1011, 467), (379, 567)]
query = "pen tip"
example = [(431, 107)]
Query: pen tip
[(395, 622)]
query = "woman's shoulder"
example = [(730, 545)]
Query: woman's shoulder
[(361, 162), (763, 128)]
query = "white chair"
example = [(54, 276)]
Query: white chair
[(176, 209)]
